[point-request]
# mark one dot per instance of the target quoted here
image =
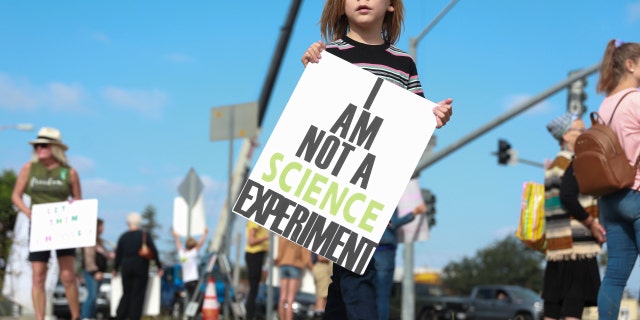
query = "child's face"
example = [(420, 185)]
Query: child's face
[(366, 13)]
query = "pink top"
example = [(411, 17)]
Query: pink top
[(626, 123)]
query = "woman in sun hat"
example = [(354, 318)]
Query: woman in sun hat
[(49, 178)]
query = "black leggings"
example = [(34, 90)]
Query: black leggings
[(254, 268), (134, 286)]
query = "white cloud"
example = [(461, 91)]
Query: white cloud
[(63, 96), (147, 102), (178, 57), (634, 12), (100, 188), (101, 37), (505, 231), (15, 94), (82, 164), (18, 94)]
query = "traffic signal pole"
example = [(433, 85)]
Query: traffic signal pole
[(408, 282), (428, 161), (220, 239)]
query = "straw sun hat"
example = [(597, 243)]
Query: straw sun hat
[(49, 136)]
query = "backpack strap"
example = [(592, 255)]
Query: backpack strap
[(610, 119), (616, 107)]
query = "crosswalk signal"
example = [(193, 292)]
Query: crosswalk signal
[(576, 96), (504, 152), (430, 200)]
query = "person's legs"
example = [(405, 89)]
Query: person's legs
[(190, 287), (293, 286), (139, 290), (127, 276), (282, 301), (385, 265), (254, 268), (335, 308), (572, 309), (38, 295), (552, 310), (615, 212), (322, 278), (88, 308), (357, 294), (68, 280)]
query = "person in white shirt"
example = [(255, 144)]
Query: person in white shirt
[(188, 257)]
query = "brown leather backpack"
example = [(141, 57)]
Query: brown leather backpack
[(600, 164)]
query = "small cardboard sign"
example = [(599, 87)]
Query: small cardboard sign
[(62, 225)]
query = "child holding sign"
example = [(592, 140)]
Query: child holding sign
[(364, 33)]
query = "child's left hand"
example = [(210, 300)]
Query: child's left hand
[(313, 53), (443, 112)]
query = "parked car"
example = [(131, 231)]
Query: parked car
[(103, 305), (303, 306), (172, 292), (494, 302), (425, 294)]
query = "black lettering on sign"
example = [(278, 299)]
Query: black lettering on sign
[(364, 171), (305, 227), (324, 149)]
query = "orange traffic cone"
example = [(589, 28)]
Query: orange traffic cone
[(210, 306)]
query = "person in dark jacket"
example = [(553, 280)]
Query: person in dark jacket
[(134, 270), (95, 259), (385, 258)]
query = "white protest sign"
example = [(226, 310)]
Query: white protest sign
[(418, 229), (151, 305), (181, 215), (337, 161), (62, 225)]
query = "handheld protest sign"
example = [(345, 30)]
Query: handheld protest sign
[(337, 161), (62, 225)]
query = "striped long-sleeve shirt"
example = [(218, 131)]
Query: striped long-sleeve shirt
[(385, 61)]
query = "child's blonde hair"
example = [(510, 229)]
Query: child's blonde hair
[(190, 243), (334, 24)]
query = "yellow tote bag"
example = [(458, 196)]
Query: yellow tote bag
[(531, 226)]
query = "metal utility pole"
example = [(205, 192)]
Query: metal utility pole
[(413, 42), (244, 158), (427, 161), (408, 282)]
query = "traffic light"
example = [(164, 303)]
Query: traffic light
[(504, 152), (430, 200), (576, 96)]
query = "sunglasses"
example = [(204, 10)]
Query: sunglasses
[(41, 145)]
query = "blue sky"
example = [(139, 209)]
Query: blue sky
[(131, 85)]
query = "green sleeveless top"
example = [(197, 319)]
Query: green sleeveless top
[(46, 186)]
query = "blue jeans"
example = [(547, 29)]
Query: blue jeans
[(88, 309), (385, 258), (620, 215), (352, 296)]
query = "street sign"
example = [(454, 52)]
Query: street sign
[(191, 187), (234, 121)]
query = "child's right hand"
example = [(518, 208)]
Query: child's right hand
[(313, 53)]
